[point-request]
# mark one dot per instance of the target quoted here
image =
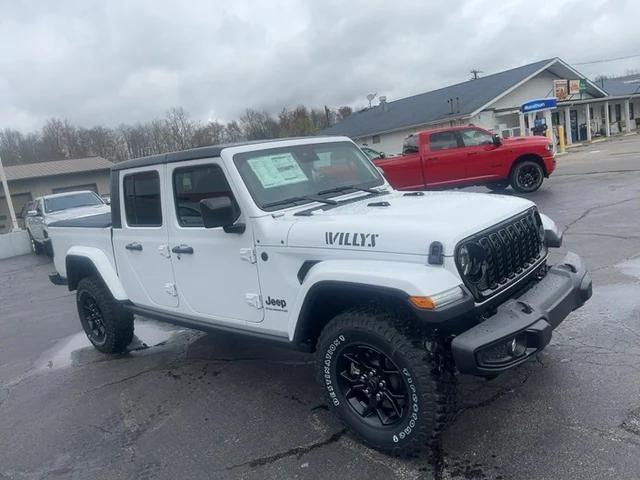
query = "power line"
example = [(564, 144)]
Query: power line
[(607, 60)]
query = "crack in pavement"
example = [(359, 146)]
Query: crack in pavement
[(254, 359), (606, 235), (297, 451), (594, 208), (126, 379), (501, 392), (604, 434), (604, 172)]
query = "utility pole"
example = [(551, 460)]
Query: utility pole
[(475, 74), (7, 194)]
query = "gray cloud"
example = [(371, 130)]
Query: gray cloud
[(119, 61)]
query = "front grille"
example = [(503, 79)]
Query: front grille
[(506, 252)]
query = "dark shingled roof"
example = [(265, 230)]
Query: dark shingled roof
[(621, 86), (432, 106)]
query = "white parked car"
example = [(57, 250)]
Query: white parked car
[(302, 242), (59, 206)]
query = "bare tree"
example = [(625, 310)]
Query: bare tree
[(180, 128)]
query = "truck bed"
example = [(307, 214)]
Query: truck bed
[(91, 232)]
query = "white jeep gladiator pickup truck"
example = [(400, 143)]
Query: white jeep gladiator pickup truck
[(303, 242)]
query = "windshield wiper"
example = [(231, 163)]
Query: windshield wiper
[(348, 187), (312, 198)]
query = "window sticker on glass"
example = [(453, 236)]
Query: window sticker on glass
[(277, 170)]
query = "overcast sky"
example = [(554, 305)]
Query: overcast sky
[(109, 62)]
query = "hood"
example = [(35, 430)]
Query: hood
[(407, 225), (77, 212), (535, 140)]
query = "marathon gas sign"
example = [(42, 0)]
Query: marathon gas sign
[(537, 105)]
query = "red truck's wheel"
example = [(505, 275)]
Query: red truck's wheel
[(527, 176)]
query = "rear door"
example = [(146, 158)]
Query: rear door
[(141, 246), (216, 272), (483, 158), (444, 159)]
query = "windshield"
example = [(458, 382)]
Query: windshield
[(274, 176), (80, 199)]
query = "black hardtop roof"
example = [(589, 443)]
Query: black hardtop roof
[(192, 154)]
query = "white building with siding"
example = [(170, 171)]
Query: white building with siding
[(493, 102)]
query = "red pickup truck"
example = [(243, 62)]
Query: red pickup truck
[(461, 156)]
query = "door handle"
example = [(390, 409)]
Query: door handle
[(472, 153), (134, 246), (183, 249)]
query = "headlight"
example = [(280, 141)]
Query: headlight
[(550, 147), (541, 233), (464, 259), (471, 258)]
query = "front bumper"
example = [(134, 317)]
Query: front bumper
[(522, 326)]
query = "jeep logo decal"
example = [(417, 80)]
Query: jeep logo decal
[(278, 303), (350, 239)]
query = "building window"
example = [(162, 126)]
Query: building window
[(590, 112), (631, 113), (375, 139), (618, 112), (142, 199), (193, 184), (555, 118)]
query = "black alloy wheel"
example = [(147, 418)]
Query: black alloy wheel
[(92, 319), (527, 176), (373, 385)]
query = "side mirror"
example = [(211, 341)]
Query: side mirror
[(497, 141), (221, 212), (32, 213), (383, 155), (107, 201)]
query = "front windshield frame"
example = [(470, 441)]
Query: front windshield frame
[(252, 183), (49, 201)]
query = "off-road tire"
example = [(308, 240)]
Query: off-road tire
[(517, 181), (36, 247), (118, 323), (425, 362)]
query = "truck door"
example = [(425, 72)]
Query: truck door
[(141, 245), (404, 172), (483, 158), (443, 161), (215, 271)]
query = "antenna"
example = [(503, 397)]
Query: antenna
[(370, 97), (475, 74)]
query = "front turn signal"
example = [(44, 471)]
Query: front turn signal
[(424, 303)]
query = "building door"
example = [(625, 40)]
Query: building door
[(573, 118)]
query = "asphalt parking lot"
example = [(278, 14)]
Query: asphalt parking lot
[(183, 404)]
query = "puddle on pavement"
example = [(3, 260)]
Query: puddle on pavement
[(77, 350)]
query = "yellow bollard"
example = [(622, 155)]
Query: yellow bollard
[(561, 147)]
